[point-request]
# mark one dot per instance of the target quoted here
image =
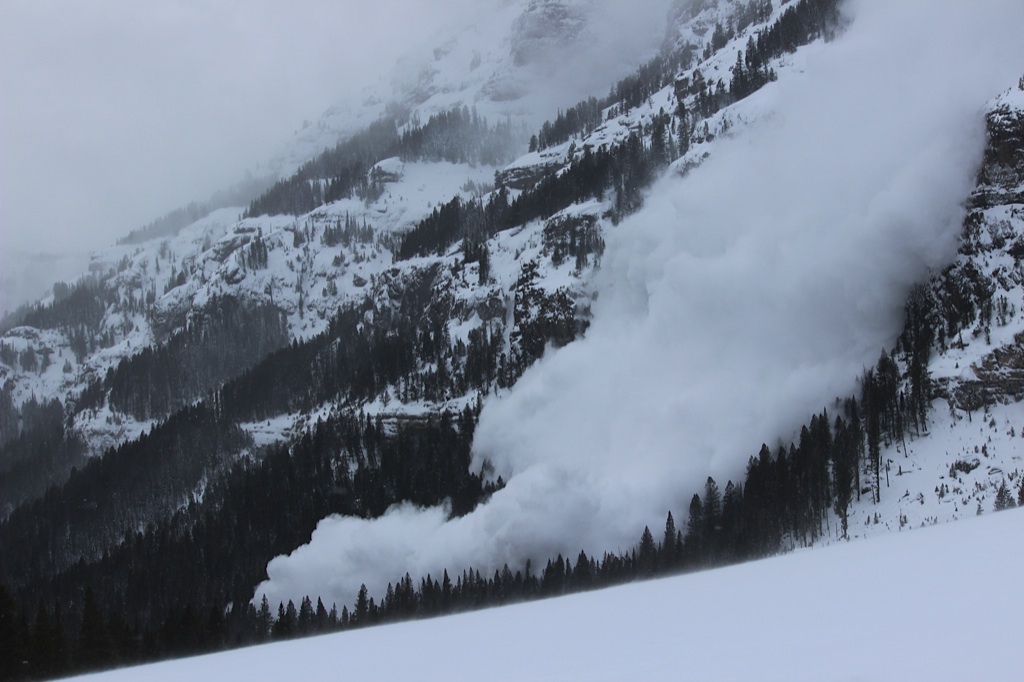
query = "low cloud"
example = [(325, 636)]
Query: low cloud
[(115, 115), (741, 299)]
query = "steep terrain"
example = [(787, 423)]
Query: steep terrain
[(213, 392)]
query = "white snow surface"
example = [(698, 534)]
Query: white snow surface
[(940, 603)]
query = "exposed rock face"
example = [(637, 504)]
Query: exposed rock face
[(1000, 378), (1001, 180), (980, 292), (525, 177), (544, 26)]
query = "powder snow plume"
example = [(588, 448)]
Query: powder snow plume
[(738, 301)]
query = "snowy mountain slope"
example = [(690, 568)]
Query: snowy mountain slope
[(502, 67), (933, 604), (308, 279), (953, 472), (571, 424), (145, 306), (526, 284)]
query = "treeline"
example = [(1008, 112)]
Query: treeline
[(226, 337), (459, 136), (628, 93), (77, 310), (129, 486), (168, 224), (37, 449), (179, 571), (580, 119), (575, 237), (407, 353), (351, 233), (799, 25), (473, 220), (624, 169), (335, 173), (630, 166), (183, 585)]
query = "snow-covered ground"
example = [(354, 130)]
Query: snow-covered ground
[(940, 603), (920, 490)]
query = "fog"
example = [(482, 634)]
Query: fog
[(739, 300), (116, 112)]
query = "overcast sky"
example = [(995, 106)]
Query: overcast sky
[(113, 112)]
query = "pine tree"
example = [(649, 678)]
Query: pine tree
[(694, 543), (40, 653), (321, 615), (712, 511), (668, 544), (12, 637), (94, 645), (264, 619), (306, 616), (1004, 500), (712, 506), (61, 650), (362, 609), (648, 553), (286, 623)]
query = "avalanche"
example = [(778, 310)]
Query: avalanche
[(739, 300)]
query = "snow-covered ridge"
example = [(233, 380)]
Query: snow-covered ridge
[(156, 288)]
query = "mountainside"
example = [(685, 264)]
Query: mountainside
[(462, 332)]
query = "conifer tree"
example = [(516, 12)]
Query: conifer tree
[(668, 544), (306, 616), (362, 609), (94, 645), (42, 644), (321, 615), (12, 638), (695, 529), (1004, 500), (648, 554), (264, 619)]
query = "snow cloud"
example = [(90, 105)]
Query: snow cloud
[(741, 299)]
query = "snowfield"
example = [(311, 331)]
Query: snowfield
[(939, 603)]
